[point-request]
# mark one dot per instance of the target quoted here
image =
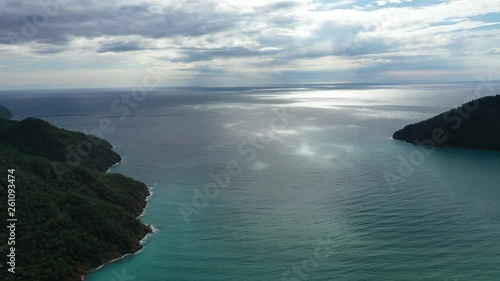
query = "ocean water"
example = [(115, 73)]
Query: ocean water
[(311, 185)]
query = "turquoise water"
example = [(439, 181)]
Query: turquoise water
[(314, 203)]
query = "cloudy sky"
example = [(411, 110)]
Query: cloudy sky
[(114, 43)]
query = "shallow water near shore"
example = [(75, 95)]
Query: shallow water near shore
[(313, 202)]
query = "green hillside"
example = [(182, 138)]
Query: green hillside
[(72, 216)]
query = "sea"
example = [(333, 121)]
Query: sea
[(292, 182)]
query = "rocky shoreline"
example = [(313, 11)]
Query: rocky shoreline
[(140, 242), (76, 217)]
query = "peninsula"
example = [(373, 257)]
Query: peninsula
[(71, 216), (474, 125)]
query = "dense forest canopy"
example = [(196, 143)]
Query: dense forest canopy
[(73, 216), (474, 125)]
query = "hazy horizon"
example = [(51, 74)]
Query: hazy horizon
[(479, 81)]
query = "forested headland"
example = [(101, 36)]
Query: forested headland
[(72, 216)]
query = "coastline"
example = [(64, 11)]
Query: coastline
[(471, 126), (141, 242), (150, 190), (152, 229), (114, 165), (444, 147)]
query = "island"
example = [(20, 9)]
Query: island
[(5, 113), (67, 214), (474, 125)]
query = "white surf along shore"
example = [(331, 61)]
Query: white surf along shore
[(142, 241)]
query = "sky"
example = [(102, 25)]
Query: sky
[(100, 44)]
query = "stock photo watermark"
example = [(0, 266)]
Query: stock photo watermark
[(46, 10), (361, 41), (124, 105), (248, 148), (427, 147), (11, 220), (302, 270), (121, 275)]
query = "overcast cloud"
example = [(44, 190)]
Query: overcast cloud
[(91, 43)]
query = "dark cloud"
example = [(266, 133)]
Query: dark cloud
[(55, 23), (278, 6), (32, 24), (118, 47)]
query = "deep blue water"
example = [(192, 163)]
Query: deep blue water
[(311, 200)]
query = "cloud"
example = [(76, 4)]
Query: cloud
[(121, 46), (261, 39), (493, 51), (387, 2), (98, 21), (198, 54)]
